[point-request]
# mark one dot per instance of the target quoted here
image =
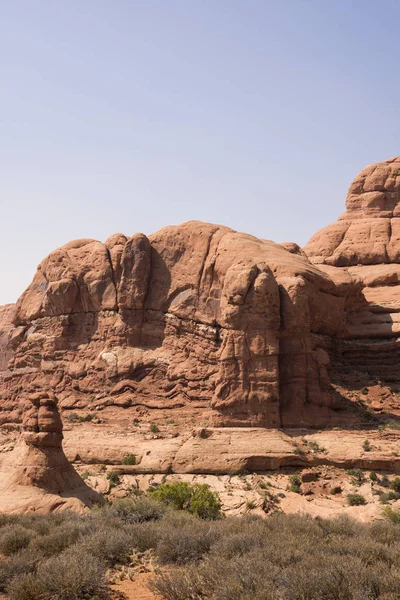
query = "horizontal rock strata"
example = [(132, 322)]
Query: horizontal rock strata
[(200, 315)]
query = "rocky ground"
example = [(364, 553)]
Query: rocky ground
[(251, 468)]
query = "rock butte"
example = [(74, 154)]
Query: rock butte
[(200, 315)]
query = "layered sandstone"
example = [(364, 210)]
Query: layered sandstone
[(196, 313), (200, 315), (362, 249)]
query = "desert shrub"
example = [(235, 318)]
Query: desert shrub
[(72, 575), (373, 476), (16, 565), (385, 481), (284, 557), (154, 428), (342, 526), (14, 537), (144, 536), (315, 447), (90, 416), (134, 510), (129, 459), (391, 515), (299, 451), (357, 476), (177, 584), (384, 533), (395, 484), (27, 587), (388, 497), (237, 544), (356, 499), (367, 446), (61, 537), (113, 478), (183, 539), (8, 519), (295, 483), (110, 545), (74, 417), (336, 490), (196, 499)]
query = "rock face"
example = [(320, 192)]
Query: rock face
[(362, 249), (201, 315), (193, 314), (7, 313)]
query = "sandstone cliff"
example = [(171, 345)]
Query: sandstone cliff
[(363, 249), (200, 315), (193, 314)]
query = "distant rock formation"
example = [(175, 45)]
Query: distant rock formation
[(200, 314)]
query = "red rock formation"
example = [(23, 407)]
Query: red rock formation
[(202, 315), (36, 475), (362, 250), (7, 313), (193, 314)]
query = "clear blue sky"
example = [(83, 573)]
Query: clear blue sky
[(129, 115)]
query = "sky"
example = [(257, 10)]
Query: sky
[(130, 115)]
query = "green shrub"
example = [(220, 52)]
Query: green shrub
[(373, 476), (154, 428), (75, 418), (113, 478), (395, 484), (336, 490), (299, 451), (391, 515), (367, 446), (315, 447), (391, 495), (357, 476), (90, 417), (295, 483), (356, 500), (196, 498), (129, 459), (385, 481)]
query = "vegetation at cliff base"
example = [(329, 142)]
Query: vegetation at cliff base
[(65, 556)]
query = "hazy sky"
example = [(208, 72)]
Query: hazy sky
[(129, 115)]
